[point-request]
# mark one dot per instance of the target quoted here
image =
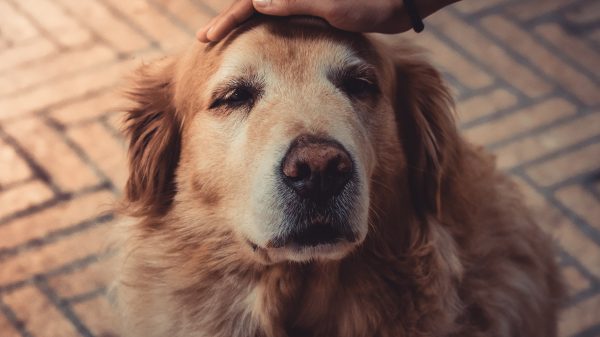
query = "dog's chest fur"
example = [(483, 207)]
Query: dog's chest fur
[(305, 300)]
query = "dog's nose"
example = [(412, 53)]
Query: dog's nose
[(317, 168)]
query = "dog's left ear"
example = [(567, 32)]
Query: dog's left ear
[(424, 115), (153, 128)]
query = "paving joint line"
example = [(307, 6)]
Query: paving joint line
[(53, 236), (63, 306), (66, 268), (63, 197), (14, 320), (87, 296), (45, 33), (516, 56), (580, 224), (38, 171)]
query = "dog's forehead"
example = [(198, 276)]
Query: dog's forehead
[(294, 45)]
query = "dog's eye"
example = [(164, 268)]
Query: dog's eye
[(358, 87), (236, 97), (239, 96)]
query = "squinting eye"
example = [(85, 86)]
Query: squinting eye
[(358, 87), (237, 97)]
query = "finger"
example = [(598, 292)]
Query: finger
[(294, 7), (201, 33), (228, 20)]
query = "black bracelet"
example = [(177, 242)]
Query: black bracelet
[(413, 14)]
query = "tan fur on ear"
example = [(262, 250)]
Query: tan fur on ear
[(424, 113), (154, 135)]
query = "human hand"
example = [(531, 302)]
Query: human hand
[(381, 16)]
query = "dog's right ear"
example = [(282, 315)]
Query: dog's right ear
[(424, 113), (153, 129)]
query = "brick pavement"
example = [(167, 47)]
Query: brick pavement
[(526, 75)]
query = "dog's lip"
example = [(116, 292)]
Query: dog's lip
[(252, 245), (314, 235)]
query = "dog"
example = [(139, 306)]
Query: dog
[(297, 180)]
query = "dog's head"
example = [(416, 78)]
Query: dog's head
[(280, 133)]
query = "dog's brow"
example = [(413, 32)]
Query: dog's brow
[(234, 81), (231, 73), (356, 67)]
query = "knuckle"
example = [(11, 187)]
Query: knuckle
[(333, 11)]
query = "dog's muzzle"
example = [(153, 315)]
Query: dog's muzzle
[(318, 188)]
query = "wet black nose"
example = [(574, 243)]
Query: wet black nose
[(317, 168)]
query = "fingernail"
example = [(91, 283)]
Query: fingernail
[(208, 32), (262, 3)]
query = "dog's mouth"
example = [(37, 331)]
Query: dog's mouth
[(310, 229), (313, 235), (316, 235), (309, 241)]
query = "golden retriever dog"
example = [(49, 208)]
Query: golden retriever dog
[(296, 180)]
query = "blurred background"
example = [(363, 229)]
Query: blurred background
[(525, 75)]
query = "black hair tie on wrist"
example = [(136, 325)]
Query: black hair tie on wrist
[(413, 14)]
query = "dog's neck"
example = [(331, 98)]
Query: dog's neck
[(288, 299)]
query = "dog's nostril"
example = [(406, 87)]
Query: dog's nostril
[(317, 168), (303, 171), (338, 165)]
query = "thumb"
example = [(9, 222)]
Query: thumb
[(290, 7)]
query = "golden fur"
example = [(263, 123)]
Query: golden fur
[(450, 248)]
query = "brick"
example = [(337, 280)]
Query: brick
[(14, 25), (83, 281), (575, 282), (88, 108), (583, 203), (23, 196), (12, 167), (569, 78), (470, 7), (61, 216), (586, 12), (520, 121), (98, 315), (453, 63), (594, 35), (154, 23), (74, 38), (115, 122), (109, 154), (52, 68), (494, 56), (571, 46), (530, 9), (552, 140), (574, 163), (188, 12), (45, 145), (104, 23), (55, 21), (566, 234), (68, 250), (579, 318), (61, 90), (26, 52), (8, 330), (39, 316), (484, 105)]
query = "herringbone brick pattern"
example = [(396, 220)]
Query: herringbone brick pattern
[(526, 75)]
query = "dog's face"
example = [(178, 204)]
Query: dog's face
[(277, 133)]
